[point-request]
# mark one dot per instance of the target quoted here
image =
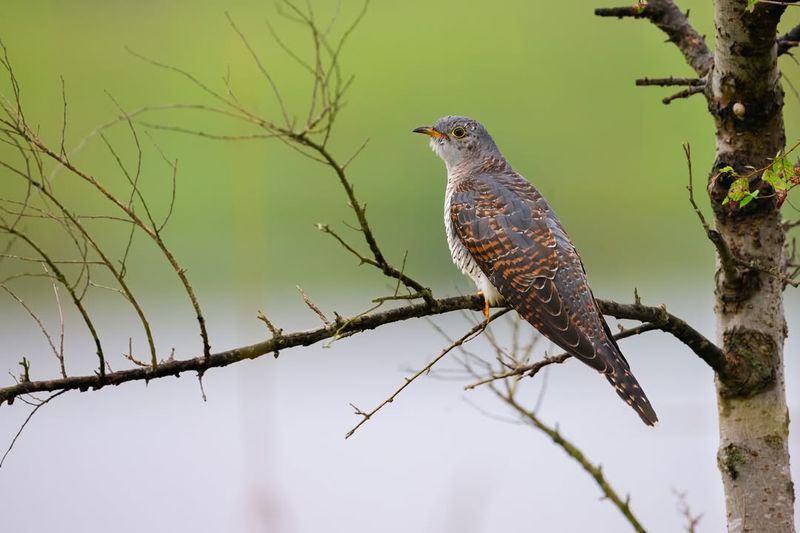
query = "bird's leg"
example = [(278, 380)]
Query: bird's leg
[(485, 305)]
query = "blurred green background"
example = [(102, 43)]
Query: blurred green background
[(553, 83)]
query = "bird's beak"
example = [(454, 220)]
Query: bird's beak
[(433, 132)]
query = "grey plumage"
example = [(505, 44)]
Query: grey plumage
[(503, 234)]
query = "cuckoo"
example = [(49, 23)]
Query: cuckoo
[(503, 234)]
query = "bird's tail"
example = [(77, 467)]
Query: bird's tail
[(629, 390)]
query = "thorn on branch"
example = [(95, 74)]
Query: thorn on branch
[(25, 377), (200, 374), (277, 333)]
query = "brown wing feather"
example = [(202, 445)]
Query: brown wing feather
[(513, 236), (516, 240)]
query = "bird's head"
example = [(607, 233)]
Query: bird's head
[(460, 140)]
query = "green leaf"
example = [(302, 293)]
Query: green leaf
[(749, 197), (738, 190), (771, 177), (727, 170), (779, 172), (751, 4)]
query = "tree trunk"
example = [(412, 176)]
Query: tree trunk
[(746, 99)]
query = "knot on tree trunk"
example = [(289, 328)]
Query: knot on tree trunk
[(732, 293), (732, 458), (752, 360)]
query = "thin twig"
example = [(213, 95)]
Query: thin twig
[(378, 258), (58, 274), (60, 353), (686, 93), (595, 471), (261, 67), (532, 369), (726, 258), (472, 333), (41, 326), (276, 331), (27, 420), (109, 264), (507, 394), (692, 520)]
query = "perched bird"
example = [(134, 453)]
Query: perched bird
[(504, 235)]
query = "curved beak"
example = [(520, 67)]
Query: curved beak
[(428, 130)]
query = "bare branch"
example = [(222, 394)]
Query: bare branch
[(659, 316), (672, 21), (789, 40), (669, 323), (668, 82)]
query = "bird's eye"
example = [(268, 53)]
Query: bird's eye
[(459, 132)]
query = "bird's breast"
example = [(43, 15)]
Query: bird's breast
[(459, 253)]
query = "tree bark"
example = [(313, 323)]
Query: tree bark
[(746, 99)]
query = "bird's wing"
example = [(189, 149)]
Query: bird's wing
[(516, 240)]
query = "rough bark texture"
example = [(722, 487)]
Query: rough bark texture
[(753, 417)]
